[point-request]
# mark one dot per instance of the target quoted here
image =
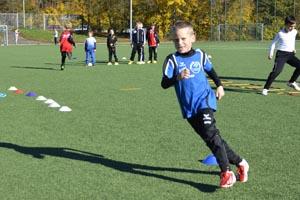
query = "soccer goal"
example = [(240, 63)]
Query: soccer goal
[(228, 32), (3, 35)]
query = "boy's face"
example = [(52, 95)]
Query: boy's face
[(183, 39), (139, 26), (290, 27), (90, 34)]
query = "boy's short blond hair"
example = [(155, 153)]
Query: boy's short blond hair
[(180, 24), (139, 23)]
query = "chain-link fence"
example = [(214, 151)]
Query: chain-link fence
[(223, 32), (38, 21)]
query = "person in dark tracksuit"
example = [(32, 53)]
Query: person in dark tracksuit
[(111, 46), (186, 70), (285, 54), (137, 43), (153, 43)]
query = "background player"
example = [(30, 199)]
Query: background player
[(137, 43), (111, 46), (66, 45), (153, 43), (285, 54), (90, 49)]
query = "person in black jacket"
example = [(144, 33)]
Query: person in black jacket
[(137, 43), (111, 46)]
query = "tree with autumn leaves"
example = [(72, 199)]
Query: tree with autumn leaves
[(102, 14)]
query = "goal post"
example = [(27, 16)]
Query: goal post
[(3, 35), (230, 32)]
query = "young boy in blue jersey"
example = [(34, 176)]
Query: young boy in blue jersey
[(185, 70), (90, 48)]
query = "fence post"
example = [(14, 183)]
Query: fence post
[(44, 21), (262, 32), (17, 20), (31, 20)]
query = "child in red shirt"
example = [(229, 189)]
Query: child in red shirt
[(153, 43), (66, 45)]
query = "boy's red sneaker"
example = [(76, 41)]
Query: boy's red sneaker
[(242, 171), (227, 179)]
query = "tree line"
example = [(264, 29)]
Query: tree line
[(204, 14)]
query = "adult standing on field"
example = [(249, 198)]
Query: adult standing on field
[(66, 45), (286, 51)]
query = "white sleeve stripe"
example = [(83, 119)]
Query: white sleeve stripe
[(204, 57), (201, 57), (174, 58), (167, 66)]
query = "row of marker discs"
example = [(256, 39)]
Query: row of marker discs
[(50, 102)]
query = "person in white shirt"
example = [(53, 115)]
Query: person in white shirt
[(285, 40), (55, 34), (17, 36)]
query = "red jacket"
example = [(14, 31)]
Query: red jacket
[(66, 41), (152, 38)]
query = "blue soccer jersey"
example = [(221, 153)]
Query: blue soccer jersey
[(194, 93)]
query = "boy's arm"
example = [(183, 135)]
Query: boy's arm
[(168, 79), (157, 39), (272, 46), (214, 76), (71, 40), (85, 45)]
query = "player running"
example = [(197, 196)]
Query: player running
[(285, 54), (66, 45), (185, 70)]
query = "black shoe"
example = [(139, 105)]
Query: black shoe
[(62, 67)]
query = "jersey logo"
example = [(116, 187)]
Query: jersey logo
[(181, 67), (195, 67)]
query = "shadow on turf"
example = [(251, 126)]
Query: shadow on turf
[(247, 79), (27, 67), (41, 152)]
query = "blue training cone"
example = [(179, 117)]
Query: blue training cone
[(31, 94), (210, 160), (2, 95)]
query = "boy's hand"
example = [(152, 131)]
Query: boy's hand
[(220, 92), (185, 74)]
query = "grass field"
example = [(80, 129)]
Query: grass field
[(126, 139)]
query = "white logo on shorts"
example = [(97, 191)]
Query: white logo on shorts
[(206, 119)]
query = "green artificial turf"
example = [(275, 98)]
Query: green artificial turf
[(125, 137)]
